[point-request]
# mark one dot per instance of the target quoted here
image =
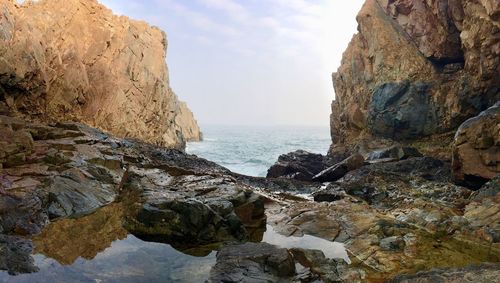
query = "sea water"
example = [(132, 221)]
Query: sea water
[(251, 150)]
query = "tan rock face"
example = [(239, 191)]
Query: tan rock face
[(476, 150), (415, 69), (75, 60)]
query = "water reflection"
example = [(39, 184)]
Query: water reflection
[(127, 260), (96, 248), (307, 242)]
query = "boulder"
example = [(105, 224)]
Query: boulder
[(253, 262), (338, 170), (302, 165), (476, 149), (190, 209)]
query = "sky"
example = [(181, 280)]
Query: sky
[(251, 62)]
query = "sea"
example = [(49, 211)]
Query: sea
[(251, 150)]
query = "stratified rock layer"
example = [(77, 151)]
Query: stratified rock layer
[(75, 60), (416, 68)]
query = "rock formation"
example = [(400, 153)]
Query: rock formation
[(392, 211), (300, 165), (418, 87), (416, 69), (69, 170), (76, 61), (476, 149)]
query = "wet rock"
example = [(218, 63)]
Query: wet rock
[(393, 243), (328, 270), (402, 111), (397, 183), (194, 209), (253, 262), (15, 255), (329, 194), (476, 149), (338, 170), (490, 189), (73, 193), (486, 272), (300, 165), (393, 153), (427, 168), (22, 215)]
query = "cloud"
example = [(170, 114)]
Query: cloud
[(234, 10), (198, 19), (250, 53)]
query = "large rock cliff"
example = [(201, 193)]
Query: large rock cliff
[(416, 69), (75, 60)]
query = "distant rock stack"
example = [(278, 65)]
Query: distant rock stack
[(415, 72), (75, 60)]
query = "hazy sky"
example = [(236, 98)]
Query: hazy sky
[(251, 62)]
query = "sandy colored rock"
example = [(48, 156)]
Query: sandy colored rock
[(75, 60), (476, 150)]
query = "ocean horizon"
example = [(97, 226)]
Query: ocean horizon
[(251, 150)]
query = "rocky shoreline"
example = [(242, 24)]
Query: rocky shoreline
[(409, 191), (397, 213)]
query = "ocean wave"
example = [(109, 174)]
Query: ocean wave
[(253, 152)]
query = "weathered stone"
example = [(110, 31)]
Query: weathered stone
[(490, 189), (416, 69), (193, 209), (15, 255), (430, 26), (483, 273), (393, 153), (393, 243), (22, 216), (402, 111), (329, 194), (253, 262), (476, 149), (338, 170), (327, 269), (300, 165), (104, 70), (75, 194)]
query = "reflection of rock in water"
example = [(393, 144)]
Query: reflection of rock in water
[(68, 239), (190, 210), (15, 255)]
